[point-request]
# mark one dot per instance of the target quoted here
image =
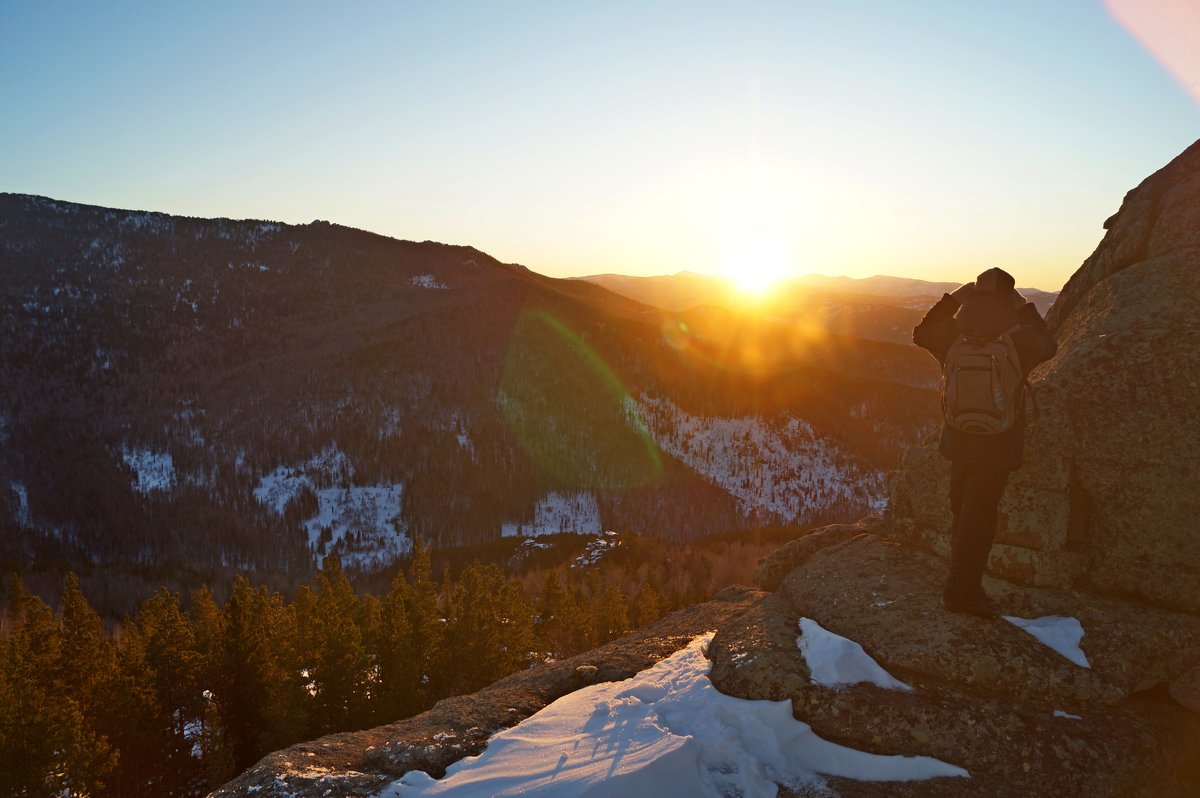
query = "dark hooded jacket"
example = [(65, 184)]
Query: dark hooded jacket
[(985, 313)]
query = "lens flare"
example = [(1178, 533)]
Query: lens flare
[(1170, 30), (570, 412)]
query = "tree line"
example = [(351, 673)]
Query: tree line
[(179, 699)]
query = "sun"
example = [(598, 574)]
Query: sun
[(756, 265)]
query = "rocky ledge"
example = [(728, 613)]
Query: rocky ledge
[(986, 695)]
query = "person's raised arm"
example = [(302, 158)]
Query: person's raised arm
[(936, 331), (1033, 339)]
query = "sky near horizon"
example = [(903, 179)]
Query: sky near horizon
[(929, 139)]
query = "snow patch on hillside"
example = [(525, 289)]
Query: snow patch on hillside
[(328, 467), (666, 731), (559, 512), (153, 471), (21, 514), (391, 422), (361, 524), (428, 281), (779, 466)]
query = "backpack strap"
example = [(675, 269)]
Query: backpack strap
[(1026, 387)]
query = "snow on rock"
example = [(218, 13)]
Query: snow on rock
[(1061, 633), (666, 731), (596, 549), (779, 466), (527, 547), (559, 512), (836, 661), (427, 281), (360, 523), (1058, 713), (152, 470)]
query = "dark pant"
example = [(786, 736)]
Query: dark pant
[(974, 497)]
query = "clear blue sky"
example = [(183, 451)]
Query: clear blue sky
[(930, 139)]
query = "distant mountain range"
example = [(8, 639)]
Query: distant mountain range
[(686, 290), (186, 399)]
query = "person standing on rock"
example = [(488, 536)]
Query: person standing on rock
[(984, 323)]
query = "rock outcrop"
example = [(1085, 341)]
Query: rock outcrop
[(1109, 496), (987, 696)]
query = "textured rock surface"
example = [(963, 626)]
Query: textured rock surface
[(772, 569), (361, 763), (985, 692), (1110, 493)]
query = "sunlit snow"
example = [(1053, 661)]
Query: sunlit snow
[(836, 661), (665, 732), (596, 549), (559, 512), (779, 466), (1061, 633), (364, 522), (427, 281)]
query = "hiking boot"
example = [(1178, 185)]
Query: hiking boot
[(981, 607)]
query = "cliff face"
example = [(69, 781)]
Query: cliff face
[(1110, 491)]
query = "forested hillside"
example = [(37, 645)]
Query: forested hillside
[(183, 400)]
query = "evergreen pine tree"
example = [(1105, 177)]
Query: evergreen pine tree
[(428, 625), (47, 747), (554, 618), (207, 623), (490, 627), (610, 613), (340, 670), (647, 606), (398, 660), (161, 677), (259, 691), (517, 636)]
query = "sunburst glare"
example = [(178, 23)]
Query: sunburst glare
[(757, 265)]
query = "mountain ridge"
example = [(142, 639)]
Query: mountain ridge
[(157, 369), (685, 290)]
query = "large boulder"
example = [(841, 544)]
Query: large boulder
[(1109, 496)]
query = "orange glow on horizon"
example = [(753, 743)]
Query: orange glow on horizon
[(757, 265)]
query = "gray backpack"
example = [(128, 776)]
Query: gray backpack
[(982, 384)]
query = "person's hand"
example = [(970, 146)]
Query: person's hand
[(962, 292)]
